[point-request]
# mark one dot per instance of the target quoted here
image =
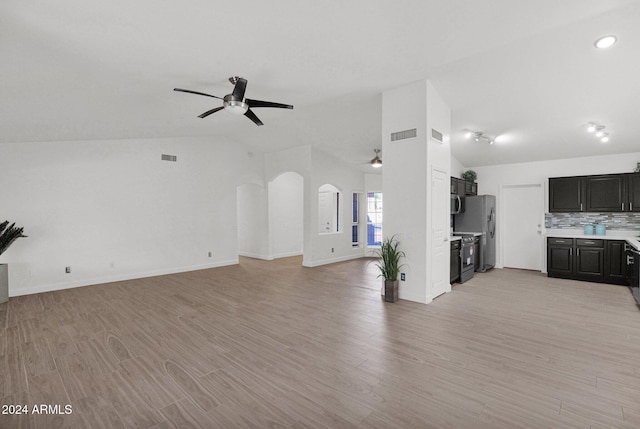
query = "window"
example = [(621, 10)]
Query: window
[(374, 218), (355, 224)]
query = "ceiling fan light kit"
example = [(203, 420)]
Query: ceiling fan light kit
[(376, 162), (236, 103)]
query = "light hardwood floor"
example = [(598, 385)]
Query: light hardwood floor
[(273, 344)]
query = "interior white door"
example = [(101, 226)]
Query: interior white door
[(325, 212), (522, 226), (440, 249)]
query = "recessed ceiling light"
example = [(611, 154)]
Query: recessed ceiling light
[(605, 138), (591, 128), (605, 42)]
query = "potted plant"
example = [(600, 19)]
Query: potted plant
[(8, 234), (469, 176), (389, 266)]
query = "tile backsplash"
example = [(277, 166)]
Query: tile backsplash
[(621, 221)]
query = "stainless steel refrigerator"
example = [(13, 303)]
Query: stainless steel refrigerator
[(480, 216)]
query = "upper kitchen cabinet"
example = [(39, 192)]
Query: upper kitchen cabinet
[(470, 188), (566, 194), (633, 192), (461, 187), (600, 194), (605, 193)]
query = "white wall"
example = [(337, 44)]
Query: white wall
[(405, 183), (253, 221), (491, 178), (113, 210), (335, 247), (456, 167), (318, 168), (408, 209), (286, 219)]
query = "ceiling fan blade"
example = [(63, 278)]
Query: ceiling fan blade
[(238, 90), (260, 103), (209, 112), (198, 93), (253, 117)]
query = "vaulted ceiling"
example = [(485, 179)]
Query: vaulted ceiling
[(524, 72)]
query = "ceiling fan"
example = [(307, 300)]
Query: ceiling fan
[(236, 103)]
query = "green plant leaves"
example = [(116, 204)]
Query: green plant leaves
[(9, 234), (389, 255)]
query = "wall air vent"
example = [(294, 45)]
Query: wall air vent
[(436, 135), (406, 134), (172, 158)]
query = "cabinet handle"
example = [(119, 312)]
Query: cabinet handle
[(630, 206), (622, 206), (580, 206), (578, 252), (589, 242), (571, 251)]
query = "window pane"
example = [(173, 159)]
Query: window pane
[(374, 218)]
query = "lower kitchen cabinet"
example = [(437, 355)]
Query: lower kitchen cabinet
[(589, 260), (595, 260), (560, 257), (615, 269)]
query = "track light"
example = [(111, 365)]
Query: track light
[(478, 135), (598, 130)]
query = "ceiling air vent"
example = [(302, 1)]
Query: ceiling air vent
[(172, 158), (436, 135), (406, 134)]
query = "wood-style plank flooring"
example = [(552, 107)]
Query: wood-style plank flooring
[(273, 344)]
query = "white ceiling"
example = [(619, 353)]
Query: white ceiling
[(525, 72)]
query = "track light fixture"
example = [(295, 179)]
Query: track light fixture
[(598, 130), (478, 135)]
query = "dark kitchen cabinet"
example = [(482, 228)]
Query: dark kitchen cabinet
[(461, 187), (589, 260), (470, 188), (594, 260), (605, 193), (566, 194), (476, 255), (454, 185), (560, 257), (454, 263), (633, 192), (615, 268)]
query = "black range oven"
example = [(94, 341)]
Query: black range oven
[(467, 257), (633, 270)]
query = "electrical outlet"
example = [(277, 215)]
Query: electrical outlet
[(210, 254), (332, 250), (67, 270), (402, 277)]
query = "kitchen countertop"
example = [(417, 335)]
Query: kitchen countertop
[(629, 236), (475, 234), (454, 238)]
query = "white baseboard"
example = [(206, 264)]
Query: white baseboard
[(286, 255), (331, 261), (119, 278), (256, 256)]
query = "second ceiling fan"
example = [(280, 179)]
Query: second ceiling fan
[(236, 103)]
